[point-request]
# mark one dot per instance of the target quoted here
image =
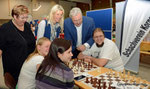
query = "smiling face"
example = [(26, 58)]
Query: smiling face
[(77, 20), (44, 48), (21, 19), (66, 56), (57, 16), (98, 37)]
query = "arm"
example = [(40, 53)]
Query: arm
[(37, 66), (82, 56), (90, 41), (67, 34), (81, 48), (0, 52), (3, 39), (41, 29), (98, 61), (87, 31)]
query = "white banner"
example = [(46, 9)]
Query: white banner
[(136, 27)]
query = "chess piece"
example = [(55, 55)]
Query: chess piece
[(115, 74), (120, 74), (99, 87), (124, 74), (87, 80), (94, 84), (138, 80), (104, 85), (82, 68), (128, 76), (109, 86), (133, 78), (91, 80), (99, 82), (98, 70)]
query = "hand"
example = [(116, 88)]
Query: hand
[(81, 48), (88, 58)]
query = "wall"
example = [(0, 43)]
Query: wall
[(7, 5), (67, 7)]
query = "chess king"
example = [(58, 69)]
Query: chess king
[(103, 53)]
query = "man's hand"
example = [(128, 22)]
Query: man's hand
[(81, 48), (86, 58)]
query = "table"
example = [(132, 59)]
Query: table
[(99, 71)]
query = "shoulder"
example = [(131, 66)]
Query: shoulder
[(38, 57), (42, 22), (6, 25), (87, 18), (67, 20), (108, 42), (65, 67)]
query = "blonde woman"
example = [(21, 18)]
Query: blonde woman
[(30, 66), (53, 26)]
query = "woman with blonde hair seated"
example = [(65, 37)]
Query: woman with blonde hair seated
[(32, 63)]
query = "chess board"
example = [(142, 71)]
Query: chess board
[(80, 66), (113, 81)]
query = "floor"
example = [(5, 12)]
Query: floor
[(144, 71)]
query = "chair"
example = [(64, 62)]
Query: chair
[(9, 81)]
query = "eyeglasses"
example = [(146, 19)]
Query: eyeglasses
[(96, 37), (23, 17)]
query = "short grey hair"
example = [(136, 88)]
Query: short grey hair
[(74, 11)]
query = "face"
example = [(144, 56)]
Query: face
[(57, 16), (21, 19), (77, 20), (98, 37), (66, 56), (44, 48)]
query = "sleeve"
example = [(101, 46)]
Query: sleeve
[(87, 52), (2, 37), (70, 78), (108, 51), (67, 34), (41, 29), (91, 29), (38, 59)]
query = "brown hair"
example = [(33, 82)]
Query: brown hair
[(98, 30), (52, 60), (18, 10)]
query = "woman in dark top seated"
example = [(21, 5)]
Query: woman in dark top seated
[(53, 72)]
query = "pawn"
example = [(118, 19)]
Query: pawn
[(87, 80), (91, 80), (99, 82), (99, 87), (104, 85), (128, 75), (109, 87), (94, 84)]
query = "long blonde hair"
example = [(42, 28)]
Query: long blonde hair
[(36, 51), (54, 9)]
